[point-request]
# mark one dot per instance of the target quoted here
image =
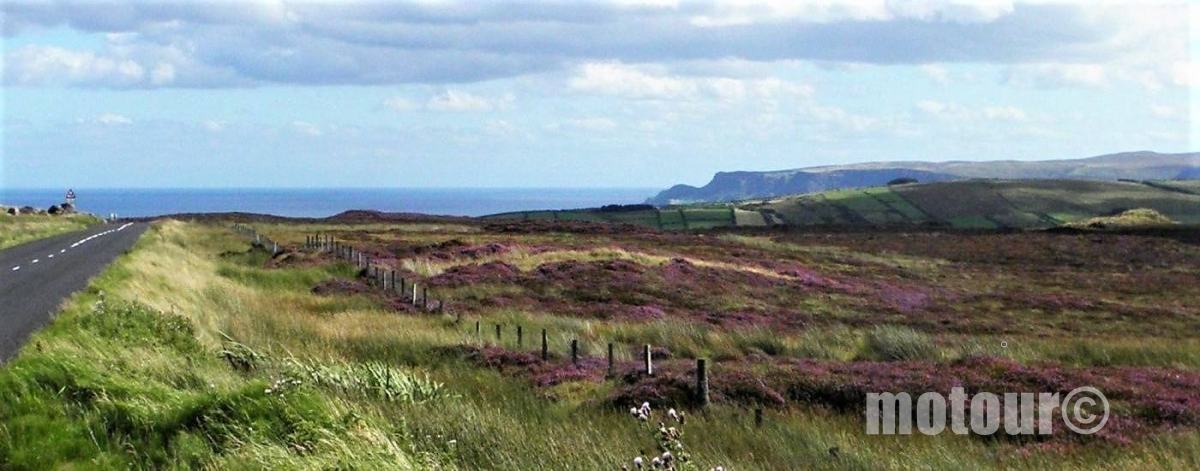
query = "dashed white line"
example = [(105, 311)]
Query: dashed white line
[(50, 256), (36, 260), (18, 267), (62, 251)]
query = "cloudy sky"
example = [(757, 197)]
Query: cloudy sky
[(624, 93)]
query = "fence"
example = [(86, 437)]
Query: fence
[(383, 277), (387, 279), (701, 372)]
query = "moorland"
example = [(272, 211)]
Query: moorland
[(198, 350)]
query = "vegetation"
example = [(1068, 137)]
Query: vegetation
[(18, 229), (1134, 218), (194, 351), (983, 204)]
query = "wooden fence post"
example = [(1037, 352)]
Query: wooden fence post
[(575, 352), (702, 381), (425, 298), (758, 417), (498, 334), (414, 293), (545, 347), (611, 369), (649, 360), (401, 291), (520, 336), (477, 337)]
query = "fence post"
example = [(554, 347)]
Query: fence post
[(575, 352), (611, 369), (477, 337), (498, 334), (520, 336), (414, 293), (758, 417), (545, 347), (425, 298), (401, 292), (702, 381), (649, 360)]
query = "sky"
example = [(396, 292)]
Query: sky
[(622, 93)]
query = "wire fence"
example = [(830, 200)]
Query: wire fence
[(386, 279)]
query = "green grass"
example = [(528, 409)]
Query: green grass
[(16, 230)]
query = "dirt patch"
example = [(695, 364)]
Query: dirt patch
[(336, 286), (296, 259)]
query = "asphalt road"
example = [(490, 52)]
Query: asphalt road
[(37, 276)]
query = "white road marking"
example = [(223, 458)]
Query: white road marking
[(36, 260), (50, 256), (62, 251), (18, 267)]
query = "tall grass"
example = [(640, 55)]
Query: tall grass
[(16, 230)]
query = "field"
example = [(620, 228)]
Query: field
[(984, 204), (16, 230), (196, 351)]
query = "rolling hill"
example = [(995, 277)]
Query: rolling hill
[(734, 186), (982, 204), (959, 204)]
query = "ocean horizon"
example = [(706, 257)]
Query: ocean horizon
[(322, 202)]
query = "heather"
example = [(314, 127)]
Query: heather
[(203, 352)]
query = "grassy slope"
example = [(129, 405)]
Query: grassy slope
[(115, 387), (982, 204), (16, 230)]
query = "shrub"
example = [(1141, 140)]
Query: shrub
[(894, 343)]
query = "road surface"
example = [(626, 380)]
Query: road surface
[(37, 276)]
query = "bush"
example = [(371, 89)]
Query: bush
[(894, 343)]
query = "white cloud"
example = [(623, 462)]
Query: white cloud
[(1055, 75), (399, 104), (593, 124), (113, 119), (457, 100), (1004, 113), (1168, 112), (306, 128), (647, 82), (936, 73), (204, 44), (744, 12), (55, 65), (958, 112), (614, 78)]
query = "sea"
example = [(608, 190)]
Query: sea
[(325, 202)]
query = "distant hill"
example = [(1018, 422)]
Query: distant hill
[(983, 204), (959, 204), (734, 186)]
